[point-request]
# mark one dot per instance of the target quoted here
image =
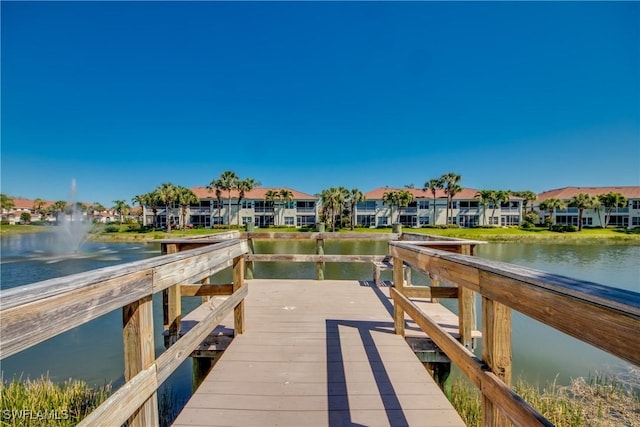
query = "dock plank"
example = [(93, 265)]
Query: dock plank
[(318, 353)]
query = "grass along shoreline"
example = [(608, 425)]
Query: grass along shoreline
[(131, 233)]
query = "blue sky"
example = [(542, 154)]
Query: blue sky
[(123, 96)]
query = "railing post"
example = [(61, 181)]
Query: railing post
[(320, 251), (139, 354), (250, 264), (171, 300), (238, 282), (466, 309), (398, 283), (496, 353)]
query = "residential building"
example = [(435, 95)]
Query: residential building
[(255, 207), (464, 210), (624, 216)]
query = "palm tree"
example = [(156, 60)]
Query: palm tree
[(497, 198), (550, 205), (245, 186), (610, 201), (285, 196), (391, 198), (228, 181), (58, 207), (355, 197), (141, 200), (452, 187), (581, 201), (121, 207), (6, 202), (185, 197), (167, 195), (527, 196), (272, 197), (434, 185), (332, 200), (216, 185), (485, 196), (404, 198), (38, 204)]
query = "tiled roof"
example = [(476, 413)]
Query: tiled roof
[(255, 194), (418, 193), (566, 193)]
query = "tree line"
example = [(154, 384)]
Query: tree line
[(338, 204)]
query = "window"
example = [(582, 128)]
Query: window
[(366, 220), (288, 220), (368, 205), (305, 220), (383, 220), (306, 206), (635, 204), (494, 220), (635, 221), (290, 205), (423, 220), (247, 220), (510, 220), (247, 204), (469, 204), (587, 221), (453, 205), (453, 220), (468, 220), (423, 204)]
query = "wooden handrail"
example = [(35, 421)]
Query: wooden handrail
[(605, 317), (33, 313)]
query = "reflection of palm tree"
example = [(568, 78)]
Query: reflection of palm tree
[(550, 205)]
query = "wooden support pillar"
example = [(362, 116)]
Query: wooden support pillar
[(205, 281), (496, 353), (320, 264), (139, 354), (171, 303), (398, 283), (250, 264), (238, 282), (466, 309), (435, 282)]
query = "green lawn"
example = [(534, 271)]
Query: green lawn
[(497, 234)]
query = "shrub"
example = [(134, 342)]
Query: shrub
[(111, 229)]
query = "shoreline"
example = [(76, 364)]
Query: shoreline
[(494, 235)]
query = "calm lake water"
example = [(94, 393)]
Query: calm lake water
[(93, 352)]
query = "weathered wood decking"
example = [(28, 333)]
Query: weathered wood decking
[(318, 353)]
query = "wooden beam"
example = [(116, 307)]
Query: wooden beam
[(169, 361), (516, 409), (398, 283), (431, 292), (319, 257), (205, 290), (603, 316), (319, 235)]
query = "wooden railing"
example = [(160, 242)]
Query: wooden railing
[(605, 317), (33, 313)]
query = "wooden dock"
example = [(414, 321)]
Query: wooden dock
[(318, 353)]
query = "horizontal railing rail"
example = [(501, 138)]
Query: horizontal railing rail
[(34, 313), (605, 317)]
